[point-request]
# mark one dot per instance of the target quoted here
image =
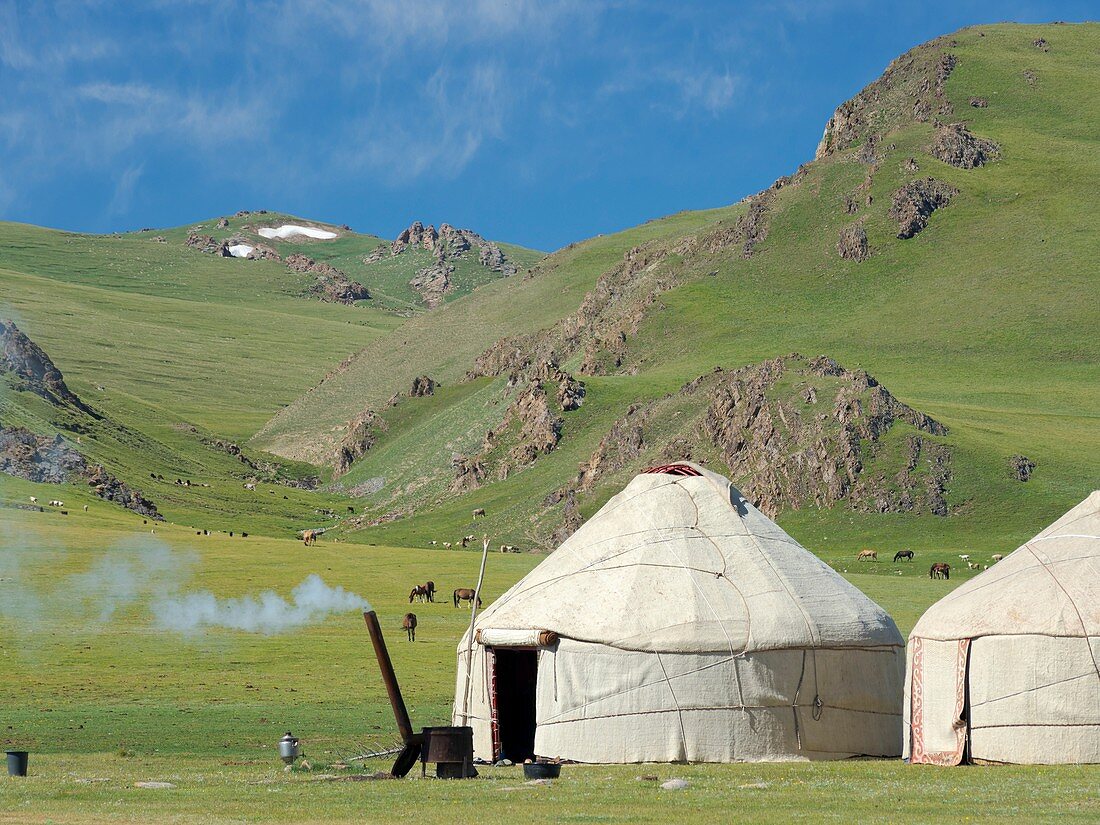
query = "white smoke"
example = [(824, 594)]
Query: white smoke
[(148, 574), (311, 601)]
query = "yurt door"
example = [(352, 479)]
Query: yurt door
[(939, 698), (514, 674)]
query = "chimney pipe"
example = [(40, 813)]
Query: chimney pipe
[(389, 678)]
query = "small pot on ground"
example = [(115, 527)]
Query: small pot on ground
[(17, 763)]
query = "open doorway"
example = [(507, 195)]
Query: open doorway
[(515, 674)]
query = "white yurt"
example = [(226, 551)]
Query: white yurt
[(1005, 668), (681, 624)]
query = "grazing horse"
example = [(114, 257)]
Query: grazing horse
[(940, 570), (465, 594), (903, 554), (409, 626), (429, 588), (479, 511), (309, 537), (419, 593), (867, 555)]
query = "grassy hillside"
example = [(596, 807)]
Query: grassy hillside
[(444, 343), (387, 279), (982, 320)]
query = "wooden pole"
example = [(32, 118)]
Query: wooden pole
[(470, 635)]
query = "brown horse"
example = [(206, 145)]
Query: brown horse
[(409, 626), (465, 594), (903, 554), (429, 588), (870, 555), (940, 570), (309, 537), (419, 592)]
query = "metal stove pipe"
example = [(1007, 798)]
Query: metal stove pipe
[(389, 678)]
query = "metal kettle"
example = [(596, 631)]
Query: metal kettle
[(289, 748)]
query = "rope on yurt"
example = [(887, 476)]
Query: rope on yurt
[(818, 704), (676, 703), (1069, 598), (721, 575)]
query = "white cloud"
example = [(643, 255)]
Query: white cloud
[(124, 190)]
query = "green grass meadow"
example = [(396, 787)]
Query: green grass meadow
[(102, 702)]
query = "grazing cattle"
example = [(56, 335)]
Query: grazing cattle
[(409, 625), (446, 544), (997, 557), (965, 556), (479, 511), (940, 570), (309, 537), (244, 535), (867, 555), (465, 594), (34, 499), (903, 554), (972, 565), (508, 548), (85, 508), (419, 592), (465, 541), (433, 542)]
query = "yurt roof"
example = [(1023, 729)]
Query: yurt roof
[(1050, 586), (683, 563)]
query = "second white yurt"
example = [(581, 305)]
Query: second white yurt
[(1007, 667), (681, 624)]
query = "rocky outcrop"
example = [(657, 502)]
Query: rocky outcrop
[(916, 201), (622, 445), (571, 519), (447, 244), (532, 423), (362, 434), (750, 229), (793, 432), (469, 474), (911, 88), (109, 488), (955, 145), (422, 386), (331, 284), (434, 283), (852, 244), (38, 458), (33, 370), (208, 244), (1022, 467), (46, 460), (796, 449)]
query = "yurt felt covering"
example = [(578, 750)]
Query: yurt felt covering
[(1006, 668), (690, 628)]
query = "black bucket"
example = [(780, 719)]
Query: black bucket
[(17, 763)]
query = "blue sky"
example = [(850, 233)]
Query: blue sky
[(538, 123)]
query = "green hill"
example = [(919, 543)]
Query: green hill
[(981, 319), (938, 250)]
